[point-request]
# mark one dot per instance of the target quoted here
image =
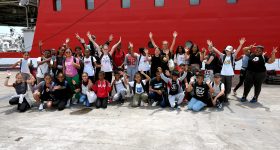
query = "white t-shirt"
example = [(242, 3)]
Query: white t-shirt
[(42, 69), (88, 68), (106, 64), (24, 68), (119, 85), (138, 89), (216, 88), (227, 69), (144, 64), (180, 59)]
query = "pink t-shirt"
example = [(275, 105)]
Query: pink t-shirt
[(70, 70)]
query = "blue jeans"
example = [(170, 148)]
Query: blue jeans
[(158, 98), (84, 99), (195, 104)]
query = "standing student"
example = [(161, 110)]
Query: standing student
[(140, 96), (157, 93), (44, 65), (196, 57), (21, 87), (174, 87), (180, 56), (71, 66), (155, 62), (201, 91), (167, 51), (102, 88), (245, 59), (228, 61), (89, 63), (119, 85), (212, 65), (61, 92), (256, 71), (59, 60), (144, 60), (218, 93), (43, 92), (25, 65), (131, 61), (118, 57)]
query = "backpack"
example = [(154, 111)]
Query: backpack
[(220, 85), (142, 84), (111, 59), (115, 87), (231, 59)]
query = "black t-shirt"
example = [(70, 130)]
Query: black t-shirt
[(164, 65), (20, 88), (156, 62), (201, 92), (257, 63), (211, 66), (174, 88), (195, 58), (157, 85)]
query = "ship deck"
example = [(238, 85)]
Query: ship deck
[(238, 126)]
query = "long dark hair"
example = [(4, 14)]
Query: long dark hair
[(183, 50), (191, 49)]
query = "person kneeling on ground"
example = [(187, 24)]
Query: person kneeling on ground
[(21, 87), (218, 94), (87, 97), (157, 91), (174, 87), (102, 88), (140, 96), (120, 88), (201, 90), (43, 92), (61, 92)]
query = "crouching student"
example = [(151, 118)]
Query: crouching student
[(157, 94), (61, 92), (43, 92), (174, 87), (120, 88), (87, 97), (218, 95), (140, 96), (102, 88), (21, 87), (201, 91)]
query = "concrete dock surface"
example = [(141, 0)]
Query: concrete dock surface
[(239, 126)]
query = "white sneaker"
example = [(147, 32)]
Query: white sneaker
[(68, 104), (74, 101), (142, 104), (154, 104), (41, 107)]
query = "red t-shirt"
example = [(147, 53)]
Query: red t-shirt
[(118, 57)]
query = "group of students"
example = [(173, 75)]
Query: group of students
[(97, 75)]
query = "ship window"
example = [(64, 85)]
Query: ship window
[(194, 2), (90, 4), (232, 1), (159, 3), (125, 3), (57, 5)]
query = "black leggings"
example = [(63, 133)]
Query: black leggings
[(241, 79), (108, 76), (253, 79), (21, 107), (101, 102)]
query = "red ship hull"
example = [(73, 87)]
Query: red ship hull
[(257, 20)]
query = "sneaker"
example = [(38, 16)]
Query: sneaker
[(254, 100), (74, 101), (154, 104), (41, 107), (178, 107), (243, 99), (219, 105), (110, 101), (142, 104), (68, 104), (234, 93)]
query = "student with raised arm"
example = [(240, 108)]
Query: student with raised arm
[(44, 65), (174, 87), (140, 97), (21, 87), (256, 71), (228, 61), (196, 57), (167, 52), (131, 61), (25, 65)]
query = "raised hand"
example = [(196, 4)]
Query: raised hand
[(274, 50), (67, 40), (40, 43), (130, 45), (242, 41), (120, 40), (9, 73), (175, 34), (151, 35), (88, 34), (82, 40), (203, 50), (210, 43), (78, 36), (111, 37)]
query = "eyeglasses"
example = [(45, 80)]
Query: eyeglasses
[(67, 52)]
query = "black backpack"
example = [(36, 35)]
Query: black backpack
[(220, 85)]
